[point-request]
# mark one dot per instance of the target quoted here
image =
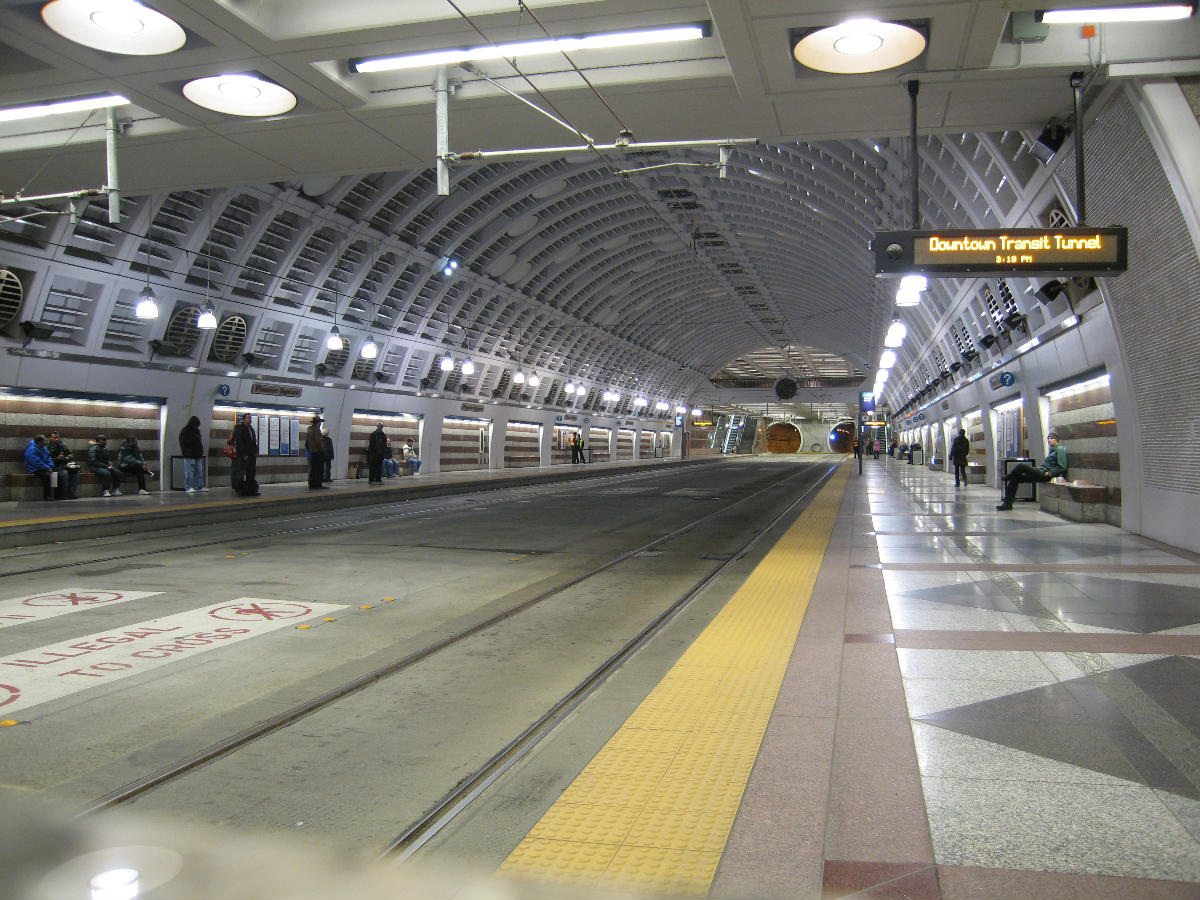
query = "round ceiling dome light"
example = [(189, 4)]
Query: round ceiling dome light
[(859, 45), (115, 26), (240, 95)]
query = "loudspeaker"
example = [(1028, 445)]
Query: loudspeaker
[(785, 388)]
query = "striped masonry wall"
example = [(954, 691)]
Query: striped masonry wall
[(560, 448), (598, 440), (647, 445), (625, 443), (521, 445), (464, 445), (268, 469), (398, 428), (77, 421), (1087, 426)]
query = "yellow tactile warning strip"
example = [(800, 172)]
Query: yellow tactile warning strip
[(650, 814)]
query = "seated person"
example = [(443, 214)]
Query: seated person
[(101, 466), (65, 465), (39, 463), (1052, 467), (131, 462), (410, 454), (391, 465)]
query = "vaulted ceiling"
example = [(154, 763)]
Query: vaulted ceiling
[(648, 267)]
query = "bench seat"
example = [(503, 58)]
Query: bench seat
[(1078, 501)]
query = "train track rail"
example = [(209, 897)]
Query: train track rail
[(469, 788)]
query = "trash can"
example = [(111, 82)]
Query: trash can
[(916, 455)]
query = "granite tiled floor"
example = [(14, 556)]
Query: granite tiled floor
[(981, 704)]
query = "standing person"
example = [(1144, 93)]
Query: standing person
[(131, 462), (1054, 465), (65, 465), (245, 442), (327, 442), (101, 466), (960, 447), (576, 449), (892, 447), (378, 449), (876, 446), (868, 446), (38, 462), (191, 448), (410, 454), (315, 447)]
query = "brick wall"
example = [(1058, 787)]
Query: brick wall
[(598, 441), (1087, 427)]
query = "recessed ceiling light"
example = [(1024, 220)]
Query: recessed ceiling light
[(116, 26), (859, 45), (240, 95)]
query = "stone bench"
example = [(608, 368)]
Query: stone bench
[(936, 464), (976, 473), (1077, 501), (362, 470), (23, 486)]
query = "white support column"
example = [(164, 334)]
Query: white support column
[(441, 91), (497, 439), (429, 444)]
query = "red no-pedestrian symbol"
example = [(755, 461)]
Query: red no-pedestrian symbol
[(8, 694), (73, 598), (256, 611)]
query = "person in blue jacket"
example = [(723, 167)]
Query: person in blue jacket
[(1054, 465), (39, 462)]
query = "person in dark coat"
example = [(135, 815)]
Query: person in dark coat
[(377, 451), (314, 446), (65, 465), (960, 448), (327, 441), (131, 462), (101, 466), (191, 448), (1054, 465), (245, 442)]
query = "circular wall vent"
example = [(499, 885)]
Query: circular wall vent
[(229, 338), (785, 388), (181, 334), (11, 295)]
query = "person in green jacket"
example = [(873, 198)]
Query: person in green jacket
[(1054, 465)]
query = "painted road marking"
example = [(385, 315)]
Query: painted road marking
[(47, 605), (57, 670)]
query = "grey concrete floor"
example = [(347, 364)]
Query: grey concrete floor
[(353, 775)]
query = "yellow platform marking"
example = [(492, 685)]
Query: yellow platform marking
[(650, 814)]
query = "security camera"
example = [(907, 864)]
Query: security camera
[(894, 251)]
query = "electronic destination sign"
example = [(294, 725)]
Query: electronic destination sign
[(1012, 251)]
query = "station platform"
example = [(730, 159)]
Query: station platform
[(913, 695), (34, 522)]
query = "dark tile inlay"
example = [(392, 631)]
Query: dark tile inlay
[(1142, 607), (1140, 723), (869, 638)]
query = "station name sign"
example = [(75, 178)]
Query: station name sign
[(1015, 251)]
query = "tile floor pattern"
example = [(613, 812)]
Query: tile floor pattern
[(1052, 676)]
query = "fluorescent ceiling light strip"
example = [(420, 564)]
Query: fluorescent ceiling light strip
[(531, 48), (41, 110), (1157, 13)]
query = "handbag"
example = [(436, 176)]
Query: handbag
[(229, 450)]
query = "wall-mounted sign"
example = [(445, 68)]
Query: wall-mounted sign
[(471, 407), (1002, 379), (224, 390), (1021, 251), (275, 390)]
